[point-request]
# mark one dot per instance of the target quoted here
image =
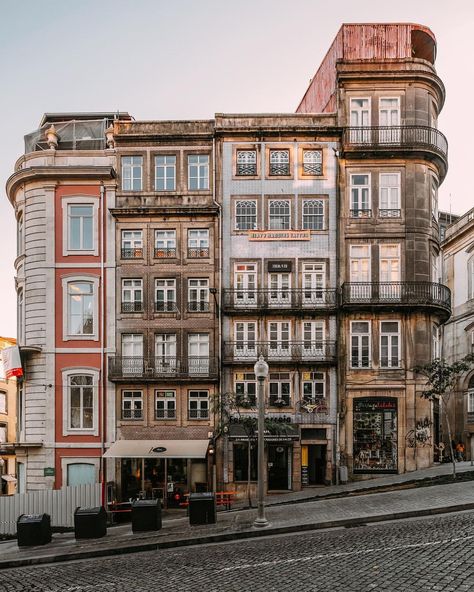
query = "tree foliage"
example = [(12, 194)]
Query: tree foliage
[(442, 377)]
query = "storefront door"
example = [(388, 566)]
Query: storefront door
[(316, 464), (279, 469)]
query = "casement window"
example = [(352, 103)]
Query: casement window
[(132, 295), (3, 434), (279, 163), (360, 196), (132, 244), (389, 195), (166, 361), (246, 214), (198, 172), (359, 116), (312, 162), (434, 198), (470, 277), (389, 272), (389, 120), (389, 344), (279, 214), (314, 386), (360, 278), (279, 288), (246, 163), (165, 295), (245, 282), (165, 173), (279, 338), (132, 173), (313, 339), (313, 214), (246, 389), (3, 402), (80, 402), (198, 402), (279, 389), (360, 344), (132, 354), (198, 243), (165, 243), (241, 461), (314, 283), (19, 234), (435, 342), (470, 395), (245, 336), (198, 353), (81, 308), (20, 316), (198, 295), (165, 404), (132, 404), (80, 227)]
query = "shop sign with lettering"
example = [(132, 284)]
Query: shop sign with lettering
[(279, 235), (279, 266)]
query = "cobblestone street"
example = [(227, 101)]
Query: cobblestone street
[(424, 554)]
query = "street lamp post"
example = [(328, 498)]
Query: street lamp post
[(261, 373)]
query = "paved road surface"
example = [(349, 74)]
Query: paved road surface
[(425, 554)]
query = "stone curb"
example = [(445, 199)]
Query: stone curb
[(231, 536)]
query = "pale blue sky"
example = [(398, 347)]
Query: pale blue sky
[(185, 59)]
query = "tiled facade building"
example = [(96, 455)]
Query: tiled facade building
[(159, 259)]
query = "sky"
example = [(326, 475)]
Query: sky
[(190, 59)]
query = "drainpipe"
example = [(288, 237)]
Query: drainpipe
[(219, 300), (102, 338)]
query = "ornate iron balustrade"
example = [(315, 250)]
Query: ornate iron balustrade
[(364, 213), (166, 306), (135, 253), (136, 306), (165, 253), (128, 368), (132, 413), (389, 213), (396, 136), (470, 417), (291, 351), (165, 414), (198, 253), (198, 306), (291, 299), (401, 293)]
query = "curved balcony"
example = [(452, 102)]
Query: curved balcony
[(397, 140), (398, 294), (305, 300), (290, 352)]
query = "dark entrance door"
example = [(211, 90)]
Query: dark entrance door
[(277, 466), (317, 464)]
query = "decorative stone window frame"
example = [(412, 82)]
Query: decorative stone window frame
[(65, 281), (66, 373), (235, 149), (324, 153), (86, 200), (283, 146), (73, 460)]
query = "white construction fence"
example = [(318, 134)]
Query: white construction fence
[(58, 503)]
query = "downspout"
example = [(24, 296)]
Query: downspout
[(337, 451), (102, 337), (219, 292)]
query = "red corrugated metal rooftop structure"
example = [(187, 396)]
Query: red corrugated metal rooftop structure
[(375, 42)]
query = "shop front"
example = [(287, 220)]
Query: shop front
[(375, 434), (159, 469)]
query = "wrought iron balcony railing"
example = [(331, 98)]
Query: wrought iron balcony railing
[(136, 306), (198, 413), (165, 413), (417, 137), (389, 213), (397, 293), (166, 306), (291, 351), (132, 253), (363, 213), (198, 253), (132, 413), (291, 299), (470, 417), (198, 306), (165, 253), (128, 368)]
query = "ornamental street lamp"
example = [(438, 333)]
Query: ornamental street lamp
[(261, 373)]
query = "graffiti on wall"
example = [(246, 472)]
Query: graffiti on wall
[(421, 435)]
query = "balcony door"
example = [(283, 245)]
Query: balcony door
[(314, 281), (245, 282), (389, 272), (361, 287), (245, 341), (198, 353), (279, 293), (360, 118), (279, 345), (165, 353), (389, 117), (313, 339), (132, 354)]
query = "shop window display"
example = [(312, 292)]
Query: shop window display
[(375, 436)]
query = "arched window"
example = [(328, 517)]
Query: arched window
[(313, 214), (279, 215), (280, 162), (246, 215)]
